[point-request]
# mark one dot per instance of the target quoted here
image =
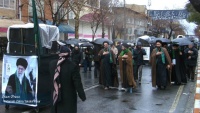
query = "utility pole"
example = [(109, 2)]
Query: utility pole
[(124, 31), (148, 19)]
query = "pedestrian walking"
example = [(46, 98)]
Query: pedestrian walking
[(177, 76), (87, 59), (138, 53), (96, 58), (115, 50), (119, 48), (107, 61), (77, 56), (161, 63), (126, 68), (66, 83), (191, 60)]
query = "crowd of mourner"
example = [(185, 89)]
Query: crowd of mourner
[(170, 64)]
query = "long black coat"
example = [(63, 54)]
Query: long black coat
[(77, 57), (138, 56), (71, 84), (194, 55)]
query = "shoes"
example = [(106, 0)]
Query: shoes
[(106, 88), (130, 90)]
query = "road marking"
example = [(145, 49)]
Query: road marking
[(176, 100), (91, 87)]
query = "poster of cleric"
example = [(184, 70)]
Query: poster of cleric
[(19, 80)]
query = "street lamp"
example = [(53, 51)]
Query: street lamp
[(124, 26)]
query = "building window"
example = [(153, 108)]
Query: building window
[(10, 4), (38, 8)]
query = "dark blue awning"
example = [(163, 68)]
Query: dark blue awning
[(65, 28)]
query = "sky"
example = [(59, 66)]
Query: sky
[(166, 5)]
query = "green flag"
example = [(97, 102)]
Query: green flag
[(36, 31)]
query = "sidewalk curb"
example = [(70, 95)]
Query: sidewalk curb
[(197, 93)]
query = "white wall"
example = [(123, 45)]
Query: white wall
[(85, 31)]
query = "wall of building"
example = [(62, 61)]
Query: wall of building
[(7, 13), (85, 31)]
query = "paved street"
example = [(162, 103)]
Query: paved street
[(145, 99)]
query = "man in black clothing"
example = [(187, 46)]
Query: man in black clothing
[(138, 53), (119, 48), (96, 50), (191, 60), (77, 56)]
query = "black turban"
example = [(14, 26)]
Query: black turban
[(175, 44), (159, 41), (106, 42), (22, 62), (125, 45), (64, 49)]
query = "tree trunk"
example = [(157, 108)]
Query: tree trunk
[(77, 26), (93, 34), (113, 33), (103, 29), (170, 34)]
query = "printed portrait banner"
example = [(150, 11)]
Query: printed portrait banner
[(19, 80), (168, 14), (147, 56)]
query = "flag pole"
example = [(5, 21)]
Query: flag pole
[(36, 31)]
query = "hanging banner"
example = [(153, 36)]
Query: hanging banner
[(19, 80), (168, 14)]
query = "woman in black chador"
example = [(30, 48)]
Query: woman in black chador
[(178, 76)]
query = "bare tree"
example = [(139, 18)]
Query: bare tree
[(173, 25), (117, 23), (160, 26), (157, 27), (101, 15), (58, 9), (76, 6), (105, 10), (95, 22)]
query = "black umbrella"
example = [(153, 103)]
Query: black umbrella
[(76, 40), (182, 41), (61, 42), (143, 42), (85, 44), (84, 40), (164, 40), (71, 42), (101, 40)]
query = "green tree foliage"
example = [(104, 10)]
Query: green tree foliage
[(194, 16)]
